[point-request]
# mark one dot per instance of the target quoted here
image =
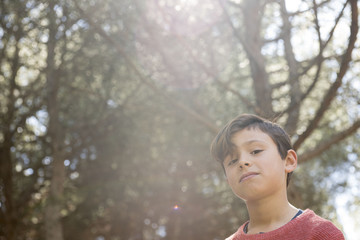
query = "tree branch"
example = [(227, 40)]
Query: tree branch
[(225, 86), (138, 72), (329, 96), (293, 78), (322, 45), (214, 76), (319, 59), (303, 11), (325, 145), (252, 46)]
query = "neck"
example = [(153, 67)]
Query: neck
[(270, 213)]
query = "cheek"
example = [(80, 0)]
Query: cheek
[(231, 177), (279, 168)]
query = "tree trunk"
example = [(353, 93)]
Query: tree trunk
[(253, 43), (9, 219), (6, 164), (293, 78), (53, 226)]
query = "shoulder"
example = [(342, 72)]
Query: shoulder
[(319, 226), (231, 237), (238, 233)]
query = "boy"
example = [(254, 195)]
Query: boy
[(258, 161)]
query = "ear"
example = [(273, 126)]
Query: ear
[(290, 161)]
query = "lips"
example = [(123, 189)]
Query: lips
[(247, 175)]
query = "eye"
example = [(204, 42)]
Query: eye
[(232, 162), (256, 152)]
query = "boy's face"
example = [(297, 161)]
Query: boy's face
[(256, 169)]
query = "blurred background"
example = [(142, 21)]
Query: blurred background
[(108, 108)]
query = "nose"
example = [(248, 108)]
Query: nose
[(244, 160), (244, 164)]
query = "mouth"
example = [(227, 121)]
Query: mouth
[(248, 175)]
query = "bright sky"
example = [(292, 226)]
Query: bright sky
[(348, 218), (348, 222)]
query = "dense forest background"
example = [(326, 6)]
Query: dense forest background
[(108, 108)]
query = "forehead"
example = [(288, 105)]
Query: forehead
[(251, 136)]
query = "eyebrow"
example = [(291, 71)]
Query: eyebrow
[(253, 141), (246, 144), (249, 142)]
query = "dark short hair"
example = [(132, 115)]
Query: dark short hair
[(222, 145)]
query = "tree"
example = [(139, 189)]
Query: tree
[(20, 100), (43, 130)]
